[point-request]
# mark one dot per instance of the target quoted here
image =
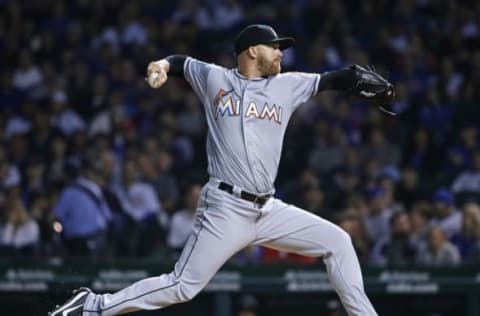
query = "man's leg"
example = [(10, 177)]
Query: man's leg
[(288, 228), (218, 234)]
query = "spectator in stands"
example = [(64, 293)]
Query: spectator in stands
[(439, 252), (27, 77), (18, 123), (121, 229), (397, 249), (420, 214), (421, 152), (18, 150), (181, 224), (377, 221), (380, 149), (446, 214), (350, 221), (293, 191), (313, 199), (34, 177), (358, 204), (164, 181), (460, 155), (387, 180), (468, 239), (41, 210), (436, 113), (139, 199), (21, 234), (468, 181), (41, 134), (409, 189), (57, 156), (329, 152), (9, 174), (65, 119), (83, 211), (372, 171), (344, 183), (191, 121)]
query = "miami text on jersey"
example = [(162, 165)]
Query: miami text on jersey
[(271, 113), (227, 103)]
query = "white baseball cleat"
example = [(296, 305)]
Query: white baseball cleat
[(74, 305)]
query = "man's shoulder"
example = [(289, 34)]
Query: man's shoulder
[(212, 65), (76, 192), (295, 75), (73, 189)]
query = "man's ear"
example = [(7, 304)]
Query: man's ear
[(252, 52)]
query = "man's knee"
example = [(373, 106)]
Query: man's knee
[(343, 240), (345, 237), (186, 292)]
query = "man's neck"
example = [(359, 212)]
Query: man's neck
[(249, 71)]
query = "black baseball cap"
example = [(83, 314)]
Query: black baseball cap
[(260, 34)]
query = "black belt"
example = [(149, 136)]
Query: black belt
[(257, 199)]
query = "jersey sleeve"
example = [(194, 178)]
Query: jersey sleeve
[(304, 86), (196, 73)]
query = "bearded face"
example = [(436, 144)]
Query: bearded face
[(268, 64)]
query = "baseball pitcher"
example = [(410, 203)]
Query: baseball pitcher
[(247, 110)]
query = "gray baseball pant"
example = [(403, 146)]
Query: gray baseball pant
[(226, 224)]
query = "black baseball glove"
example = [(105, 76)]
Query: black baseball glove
[(371, 86)]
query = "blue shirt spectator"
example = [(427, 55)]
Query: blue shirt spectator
[(82, 210), (447, 216)]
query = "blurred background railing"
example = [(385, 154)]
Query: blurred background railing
[(272, 289)]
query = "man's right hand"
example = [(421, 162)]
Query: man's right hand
[(157, 73)]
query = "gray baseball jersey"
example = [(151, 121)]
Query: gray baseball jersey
[(247, 120)]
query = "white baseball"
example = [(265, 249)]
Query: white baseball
[(152, 79)]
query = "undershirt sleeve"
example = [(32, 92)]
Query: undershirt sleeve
[(176, 64)]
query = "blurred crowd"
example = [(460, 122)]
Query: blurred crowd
[(95, 163)]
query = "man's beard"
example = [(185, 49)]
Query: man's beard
[(268, 68)]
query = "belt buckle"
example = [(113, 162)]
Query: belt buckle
[(259, 200)]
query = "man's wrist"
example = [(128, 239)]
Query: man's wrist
[(164, 64)]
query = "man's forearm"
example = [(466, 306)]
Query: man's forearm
[(176, 63), (342, 79)]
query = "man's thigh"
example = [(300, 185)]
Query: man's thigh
[(219, 232), (288, 228)]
